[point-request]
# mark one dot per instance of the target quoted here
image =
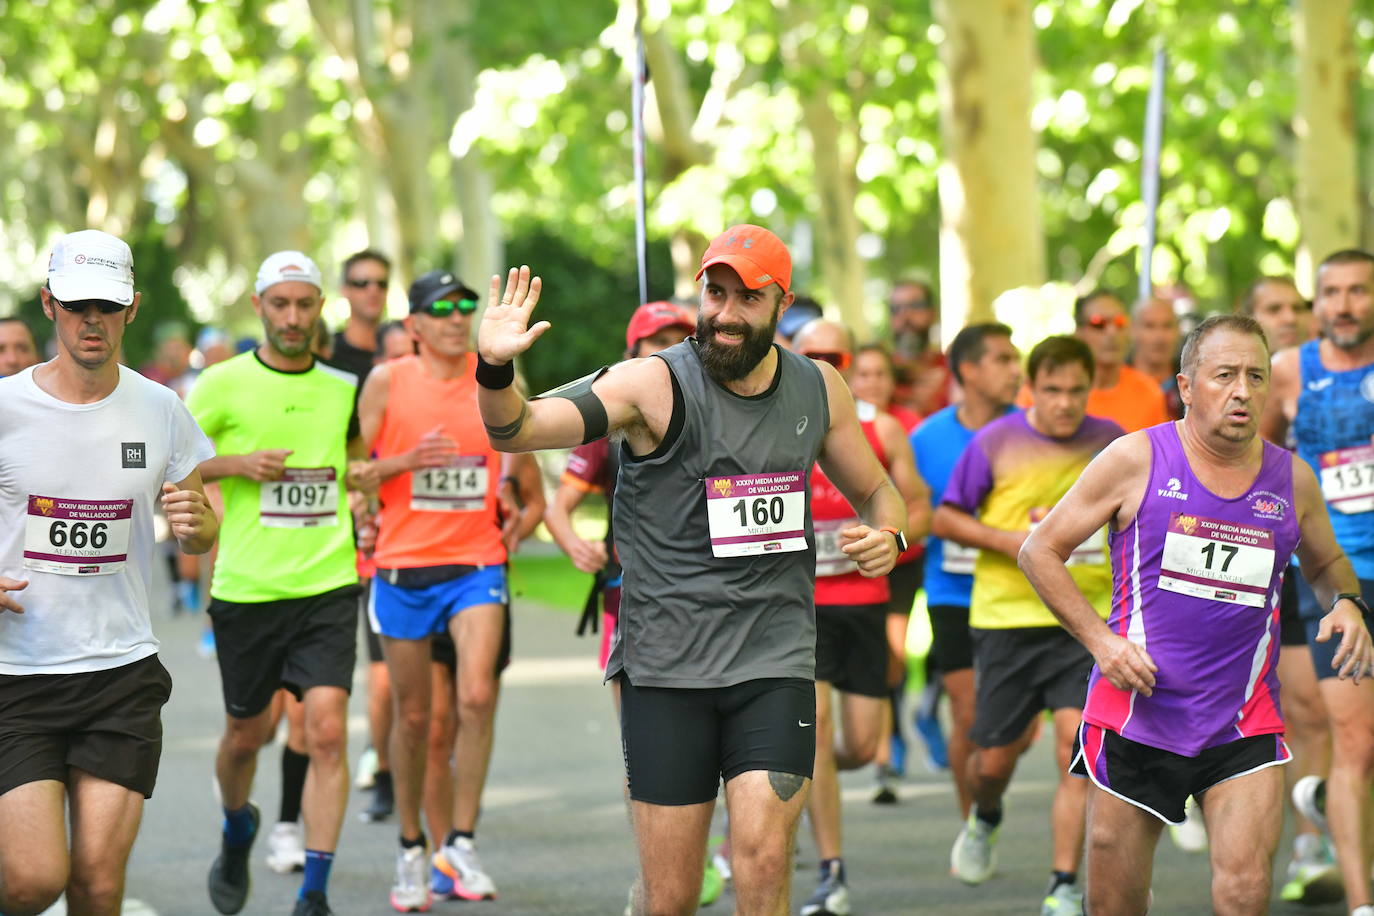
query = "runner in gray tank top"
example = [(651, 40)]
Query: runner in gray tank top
[(716, 649), (1182, 699)]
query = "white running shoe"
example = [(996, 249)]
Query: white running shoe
[(1309, 797), (460, 862), (410, 893), (367, 769), (973, 859), (1064, 900), (1191, 835), (286, 848)]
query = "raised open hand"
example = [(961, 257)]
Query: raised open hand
[(505, 331)]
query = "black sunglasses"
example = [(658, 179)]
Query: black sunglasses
[(365, 283), (105, 305), (444, 307)]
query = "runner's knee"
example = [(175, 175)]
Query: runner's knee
[(33, 891)]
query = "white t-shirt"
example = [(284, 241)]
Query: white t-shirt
[(78, 485)]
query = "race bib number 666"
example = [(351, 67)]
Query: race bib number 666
[(77, 537)]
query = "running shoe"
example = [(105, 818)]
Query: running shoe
[(896, 753), (1191, 835), (205, 647), (973, 859), (383, 799), (831, 897), (1309, 797), (229, 880), (712, 885), (367, 768), (285, 848), (440, 884), (722, 865), (1312, 874), (312, 903), (411, 892), (1366, 910), (887, 786), (933, 737), (1063, 900), (460, 863)]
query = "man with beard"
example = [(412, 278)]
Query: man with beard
[(285, 591), (1324, 392), (719, 434)]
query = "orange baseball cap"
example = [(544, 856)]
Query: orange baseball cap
[(757, 255)]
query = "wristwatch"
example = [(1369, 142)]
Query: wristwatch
[(901, 538), (1355, 597)]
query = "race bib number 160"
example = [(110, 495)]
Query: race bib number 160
[(756, 513)]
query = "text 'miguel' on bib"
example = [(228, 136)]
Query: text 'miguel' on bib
[(756, 513), (77, 537), (1348, 479), (460, 487), (1217, 560), (830, 560), (303, 498)]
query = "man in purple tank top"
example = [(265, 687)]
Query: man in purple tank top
[(1183, 698)]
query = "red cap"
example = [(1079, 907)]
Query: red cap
[(653, 317), (757, 255)]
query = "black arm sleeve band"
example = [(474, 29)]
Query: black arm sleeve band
[(594, 420)]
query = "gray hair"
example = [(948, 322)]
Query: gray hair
[(1241, 324)]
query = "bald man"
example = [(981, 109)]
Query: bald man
[(851, 622), (1154, 348)]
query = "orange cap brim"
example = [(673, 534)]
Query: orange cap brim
[(748, 269)]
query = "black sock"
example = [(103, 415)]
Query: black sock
[(839, 867), (455, 835), (1062, 877), (293, 767), (411, 844), (992, 818), (381, 781)]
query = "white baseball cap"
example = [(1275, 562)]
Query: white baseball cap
[(285, 266), (91, 264)]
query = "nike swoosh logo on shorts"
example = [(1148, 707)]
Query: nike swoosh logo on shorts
[(805, 724)]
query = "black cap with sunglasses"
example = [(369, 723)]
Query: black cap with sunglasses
[(440, 293)]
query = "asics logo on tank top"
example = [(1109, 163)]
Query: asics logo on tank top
[(801, 425), (1175, 486)]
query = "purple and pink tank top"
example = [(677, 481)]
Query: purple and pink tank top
[(1196, 582)]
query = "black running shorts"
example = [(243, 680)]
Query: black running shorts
[(1019, 672), (108, 723), (903, 583), (951, 646), (296, 643), (679, 743), (1160, 781), (1291, 630), (851, 647)]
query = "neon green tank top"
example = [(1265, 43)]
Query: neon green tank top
[(291, 538)]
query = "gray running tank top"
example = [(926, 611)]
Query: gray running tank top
[(687, 617)]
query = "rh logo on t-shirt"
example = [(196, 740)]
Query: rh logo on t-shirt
[(133, 454)]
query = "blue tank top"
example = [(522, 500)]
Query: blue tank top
[(1196, 582), (1332, 428), (937, 444)]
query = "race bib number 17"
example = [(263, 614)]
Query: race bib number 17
[(77, 537), (756, 513), (1217, 560)]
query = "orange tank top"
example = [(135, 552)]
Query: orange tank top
[(437, 516)]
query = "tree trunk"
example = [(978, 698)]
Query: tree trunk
[(837, 229), (990, 235), (1328, 186)]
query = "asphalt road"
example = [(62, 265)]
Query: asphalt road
[(554, 834)]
